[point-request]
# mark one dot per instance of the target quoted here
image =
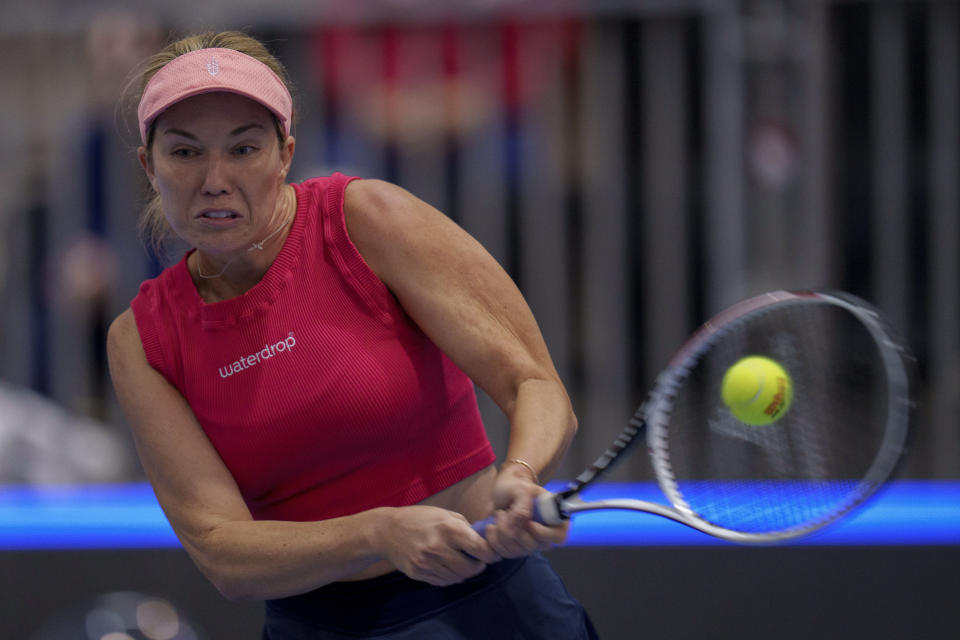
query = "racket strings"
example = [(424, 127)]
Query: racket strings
[(753, 508), (810, 466)]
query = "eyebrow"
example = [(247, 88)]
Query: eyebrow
[(236, 132)]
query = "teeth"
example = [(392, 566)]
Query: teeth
[(218, 214)]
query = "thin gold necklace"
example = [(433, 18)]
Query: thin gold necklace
[(256, 245)]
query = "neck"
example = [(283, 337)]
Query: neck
[(235, 275)]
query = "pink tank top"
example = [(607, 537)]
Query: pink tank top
[(320, 394)]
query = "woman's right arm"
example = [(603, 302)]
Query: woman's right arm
[(248, 559)]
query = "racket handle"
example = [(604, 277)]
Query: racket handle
[(480, 526), (546, 511)]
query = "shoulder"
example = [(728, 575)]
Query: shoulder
[(322, 190), (154, 293), (370, 198), (125, 353), (122, 335), (378, 209), (401, 236)]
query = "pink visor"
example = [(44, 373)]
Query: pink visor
[(209, 70)]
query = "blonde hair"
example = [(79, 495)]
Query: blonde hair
[(153, 224)]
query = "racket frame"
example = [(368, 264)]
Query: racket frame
[(652, 419)]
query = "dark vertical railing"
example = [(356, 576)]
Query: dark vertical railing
[(600, 156)]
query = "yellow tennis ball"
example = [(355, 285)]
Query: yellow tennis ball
[(757, 390)]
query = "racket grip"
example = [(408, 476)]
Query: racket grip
[(545, 511), (480, 526)]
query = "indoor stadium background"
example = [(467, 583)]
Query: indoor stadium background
[(635, 165)]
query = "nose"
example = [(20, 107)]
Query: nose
[(217, 179)]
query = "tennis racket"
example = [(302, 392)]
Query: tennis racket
[(840, 440)]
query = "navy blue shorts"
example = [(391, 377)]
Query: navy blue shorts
[(521, 598)]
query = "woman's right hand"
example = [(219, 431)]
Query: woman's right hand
[(434, 545)]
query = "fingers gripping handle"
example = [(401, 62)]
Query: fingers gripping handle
[(480, 526), (546, 510)]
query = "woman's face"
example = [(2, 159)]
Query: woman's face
[(218, 167)]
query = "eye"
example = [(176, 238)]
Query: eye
[(244, 150), (183, 152)]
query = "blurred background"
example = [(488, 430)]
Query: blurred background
[(635, 165)]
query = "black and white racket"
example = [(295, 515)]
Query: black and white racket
[(839, 441)]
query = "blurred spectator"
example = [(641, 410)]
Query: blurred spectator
[(121, 615), (42, 443)]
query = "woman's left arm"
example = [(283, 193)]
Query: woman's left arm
[(468, 305)]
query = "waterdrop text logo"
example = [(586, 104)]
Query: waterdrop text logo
[(252, 360)]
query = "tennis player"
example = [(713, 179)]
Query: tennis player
[(300, 384)]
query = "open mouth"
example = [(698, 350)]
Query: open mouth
[(219, 215)]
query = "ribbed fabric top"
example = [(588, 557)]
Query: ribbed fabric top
[(319, 393)]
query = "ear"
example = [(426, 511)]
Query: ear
[(144, 159), (286, 155)]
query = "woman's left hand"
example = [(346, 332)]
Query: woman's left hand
[(513, 533)]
